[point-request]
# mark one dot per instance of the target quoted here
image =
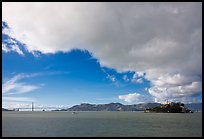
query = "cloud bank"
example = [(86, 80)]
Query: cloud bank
[(162, 40), (135, 98)]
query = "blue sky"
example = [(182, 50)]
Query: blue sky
[(101, 53), (68, 78)]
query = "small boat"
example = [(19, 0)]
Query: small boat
[(74, 113)]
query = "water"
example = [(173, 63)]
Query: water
[(101, 124)]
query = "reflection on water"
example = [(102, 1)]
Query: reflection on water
[(94, 124)]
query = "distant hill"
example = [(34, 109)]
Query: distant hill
[(194, 106), (121, 107), (111, 107), (3, 109)]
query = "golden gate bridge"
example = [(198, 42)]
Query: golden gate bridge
[(37, 108)]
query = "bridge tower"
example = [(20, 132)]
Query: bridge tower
[(32, 106)]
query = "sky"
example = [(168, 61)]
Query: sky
[(63, 54)]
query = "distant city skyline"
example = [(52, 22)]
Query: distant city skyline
[(65, 54)]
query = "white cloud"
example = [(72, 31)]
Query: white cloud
[(139, 74), (125, 78), (25, 103), (172, 79), (16, 86), (11, 105), (19, 99), (16, 102), (10, 44), (108, 76), (135, 98), (111, 77), (4, 48), (13, 86), (178, 93), (158, 39), (12, 47), (139, 80), (137, 77), (174, 86)]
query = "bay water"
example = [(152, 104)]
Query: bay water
[(100, 124)]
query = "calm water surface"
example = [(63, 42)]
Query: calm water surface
[(101, 124)]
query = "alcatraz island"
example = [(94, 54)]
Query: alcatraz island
[(169, 107)]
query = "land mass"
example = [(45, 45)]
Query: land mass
[(121, 107), (170, 107)]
